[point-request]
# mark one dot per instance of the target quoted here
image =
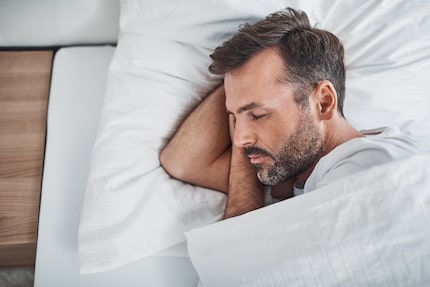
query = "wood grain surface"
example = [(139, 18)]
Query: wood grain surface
[(24, 87)]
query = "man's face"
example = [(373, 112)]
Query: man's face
[(281, 139)]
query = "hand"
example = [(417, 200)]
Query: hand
[(245, 193)]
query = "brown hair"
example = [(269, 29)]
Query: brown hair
[(310, 54)]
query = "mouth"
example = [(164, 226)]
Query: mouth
[(256, 155), (256, 158)]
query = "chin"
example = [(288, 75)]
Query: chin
[(266, 180)]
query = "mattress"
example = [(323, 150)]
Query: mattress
[(76, 98)]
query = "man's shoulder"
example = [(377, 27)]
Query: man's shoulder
[(375, 147)]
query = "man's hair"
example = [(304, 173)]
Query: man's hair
[(310, 55)]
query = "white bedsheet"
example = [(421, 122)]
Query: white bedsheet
[(76, 97), (369, 229)]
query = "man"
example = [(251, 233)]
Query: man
[(283, 91)]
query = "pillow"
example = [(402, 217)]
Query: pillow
[(387, 60), (132, 208), (159, 73)]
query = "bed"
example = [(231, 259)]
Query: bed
[(110, 214)]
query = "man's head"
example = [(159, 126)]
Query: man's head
[(282, 79), (310, 55)]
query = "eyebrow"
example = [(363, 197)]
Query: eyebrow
[(247, 107)]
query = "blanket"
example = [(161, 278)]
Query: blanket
[(368, 229)]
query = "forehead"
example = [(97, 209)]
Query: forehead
[(259, 81)]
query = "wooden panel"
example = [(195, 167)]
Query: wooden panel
[(16, 255), (24, 88)]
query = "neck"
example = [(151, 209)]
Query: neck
[(338, 132)]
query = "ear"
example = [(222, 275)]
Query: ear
[(325, 97)]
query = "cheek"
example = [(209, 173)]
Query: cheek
[(286, 126), (273, 135)]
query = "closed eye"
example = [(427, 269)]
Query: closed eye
[(256, 117)]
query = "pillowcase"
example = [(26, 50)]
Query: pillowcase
[(387, 60), (159, 73)]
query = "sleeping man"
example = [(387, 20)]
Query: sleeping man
[(277, 120)]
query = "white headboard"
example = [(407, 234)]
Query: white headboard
[(58, 22)]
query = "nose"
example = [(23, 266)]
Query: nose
[(244, 135)]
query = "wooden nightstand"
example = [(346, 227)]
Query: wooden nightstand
[(24, 88)]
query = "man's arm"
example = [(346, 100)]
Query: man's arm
[(200, 151), (246, 193)]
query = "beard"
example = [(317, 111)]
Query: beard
[(298, 152)]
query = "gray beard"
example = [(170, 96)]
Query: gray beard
[(300, 151)]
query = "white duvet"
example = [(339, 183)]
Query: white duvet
[(369, 229), (132, 208)]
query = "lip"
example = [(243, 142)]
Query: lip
[(256, 159)]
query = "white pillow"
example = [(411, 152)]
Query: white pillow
[(159, 73)]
